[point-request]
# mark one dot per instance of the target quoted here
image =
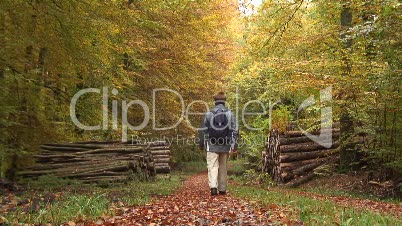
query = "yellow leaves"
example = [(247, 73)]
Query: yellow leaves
[(255, 69), (71, 223)]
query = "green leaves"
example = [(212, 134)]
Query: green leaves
[(305, 53), (50, 50)]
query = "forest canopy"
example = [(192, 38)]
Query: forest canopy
[(278, 50)]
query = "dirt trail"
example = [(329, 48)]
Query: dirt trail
[(193, 205)]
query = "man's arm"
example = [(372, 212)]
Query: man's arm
[(202, 131), (234, 131)]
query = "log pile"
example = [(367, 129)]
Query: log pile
[(292, 157), (97, 161), (160, 153)]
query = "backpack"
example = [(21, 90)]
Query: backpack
[(219, 133)]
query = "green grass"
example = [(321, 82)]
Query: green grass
[(191, 167), (80, 201), (139, 192), (50, 183), (313, 212), (236, 167), (338, 192), (67, 208)]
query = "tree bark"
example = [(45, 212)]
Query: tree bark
[(160, 156), (347, 150), (307, 155), (162, 160), (305, 147), (75, 145), (300, 180), (3, 44), (161, 152), (161, 148), (301, 134), (162, 169), (302, 170), (303, 139)]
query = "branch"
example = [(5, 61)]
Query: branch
[(283, 25)]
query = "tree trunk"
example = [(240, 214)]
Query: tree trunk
[(63, 147), (303, 139), (302, 170), (161, 152), (307, 155), (301, 134), (305, 147), (3, 44), (300, 180), (347, 150), (162, 160)]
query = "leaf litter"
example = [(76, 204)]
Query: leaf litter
[(192, 204)]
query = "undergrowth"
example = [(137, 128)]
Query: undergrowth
[(73, 201)]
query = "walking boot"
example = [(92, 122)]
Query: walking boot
[(214, 191)]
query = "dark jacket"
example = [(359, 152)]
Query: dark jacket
[(203, 132)]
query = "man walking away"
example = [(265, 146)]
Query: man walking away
[(218, 135)]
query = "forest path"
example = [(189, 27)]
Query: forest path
[(192, 204)]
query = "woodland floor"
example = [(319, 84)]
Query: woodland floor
[(351, 190), (187, 201), (192, 204)]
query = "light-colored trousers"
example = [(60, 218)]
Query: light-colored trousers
[(217, 172)]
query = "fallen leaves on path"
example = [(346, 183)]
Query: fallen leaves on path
[(193, 205)]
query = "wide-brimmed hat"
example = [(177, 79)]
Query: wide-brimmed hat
[(219, 96)]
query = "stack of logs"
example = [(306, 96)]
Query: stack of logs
[(97, 161), (292, 157), (161, 157)]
